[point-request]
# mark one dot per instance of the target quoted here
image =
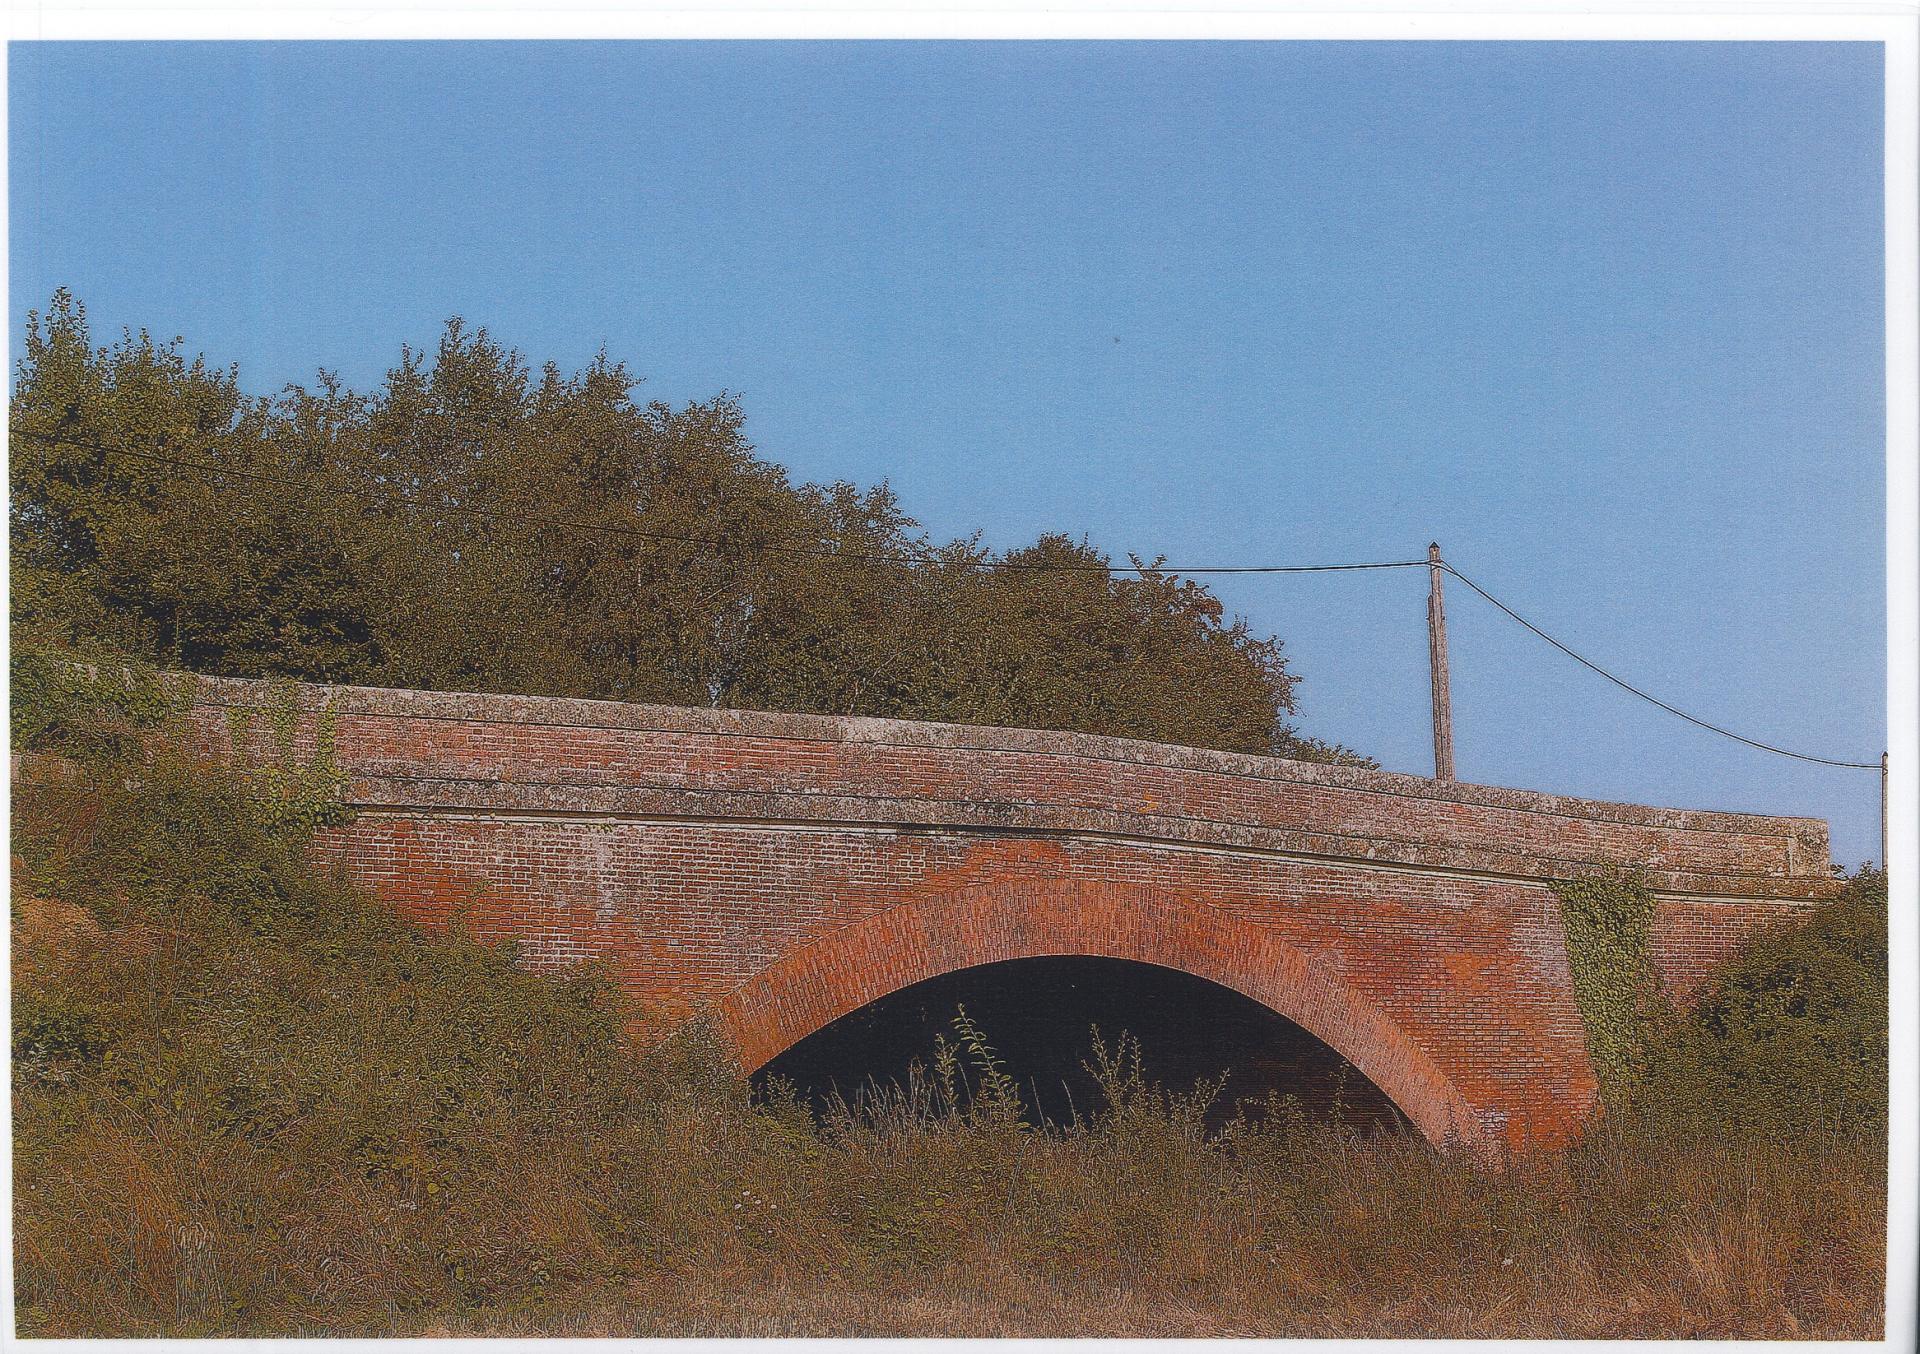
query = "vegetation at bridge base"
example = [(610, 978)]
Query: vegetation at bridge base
[(91, 706), (248, 1102), (475, 525), (1788, 1035), (1792, 1032)]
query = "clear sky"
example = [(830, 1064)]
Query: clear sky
[(1605, 319)]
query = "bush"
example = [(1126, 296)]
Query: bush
[(53, 1035), (1792, 1032), (1789, 1034)]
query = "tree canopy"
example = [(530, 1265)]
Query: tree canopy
[(476, 524)]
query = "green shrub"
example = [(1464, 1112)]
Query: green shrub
[(150, 827), (1789, 1033), (53, 1036), (1792, 1031)]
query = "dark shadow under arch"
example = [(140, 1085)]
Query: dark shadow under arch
[(1040, 1016), (810, 987)]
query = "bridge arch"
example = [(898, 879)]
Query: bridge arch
[(809, 987)]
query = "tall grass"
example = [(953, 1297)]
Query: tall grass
[(248, 1102)]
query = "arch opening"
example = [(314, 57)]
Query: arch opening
[(1039, 1013), (1005, 914)]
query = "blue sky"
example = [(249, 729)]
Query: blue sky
[(1605, 319)]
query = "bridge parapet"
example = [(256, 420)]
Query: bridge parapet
[(435, 751)]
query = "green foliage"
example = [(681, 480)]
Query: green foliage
[(996, 1096), (92, 709), (163, 830), (1607, 921), (178, 841), (54, 1035), (1791, 1033), (293, 794), (339, 542)]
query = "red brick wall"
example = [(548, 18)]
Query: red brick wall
[(782, 870)]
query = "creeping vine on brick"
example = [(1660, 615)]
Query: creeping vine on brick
[(91, 710), (1608, 920), (295, 794)]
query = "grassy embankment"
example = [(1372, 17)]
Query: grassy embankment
[(246, 1102)]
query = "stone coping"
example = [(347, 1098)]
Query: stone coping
[(575, 712)]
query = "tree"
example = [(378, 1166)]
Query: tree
[(472, 524), (238, 571)]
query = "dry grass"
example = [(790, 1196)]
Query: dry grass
[(298, 1116)]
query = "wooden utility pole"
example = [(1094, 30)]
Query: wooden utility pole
[(1883, 814), (1437, 654)]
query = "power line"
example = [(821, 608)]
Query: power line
[(1646, 696), (910, 559)]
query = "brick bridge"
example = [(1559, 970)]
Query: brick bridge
[(784, 870)]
